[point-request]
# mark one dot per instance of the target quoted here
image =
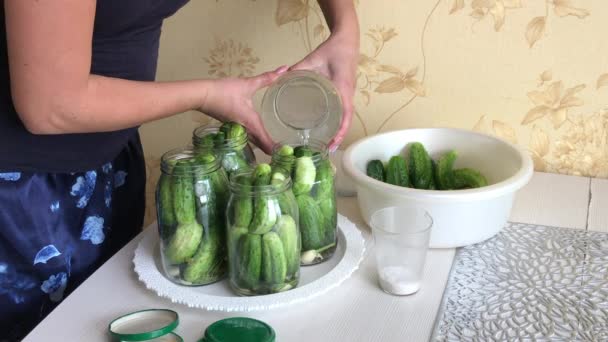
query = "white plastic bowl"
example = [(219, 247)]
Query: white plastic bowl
[(460, 217)]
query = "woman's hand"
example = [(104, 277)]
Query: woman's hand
[(230, 99), (337, 59)]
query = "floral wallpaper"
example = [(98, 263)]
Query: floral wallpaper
[(532, 72)]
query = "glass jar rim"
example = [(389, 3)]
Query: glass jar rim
[(316, 145), (170, 158), (254, 190), (229, 144)]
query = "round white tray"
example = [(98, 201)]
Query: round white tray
[(314, 280)]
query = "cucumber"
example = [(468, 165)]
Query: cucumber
[(288, 232), (233, 130), (211, 191), (264, 215), (304, 175), (311, 227), (468, 178), (278, 179), (329, 213), (234, 236), (375, 169), (243, 207), (262, 175), (183, 194), (184, 242), (207, 141), (302, 151), (225, 128), (285, 151), (396, 172), (250, 260), (219, 187), (283, 160), (274, 269), (208, 264), (325, 180), (433, 184), (219, 139), (164, 198), (444, 173), (420, 166)]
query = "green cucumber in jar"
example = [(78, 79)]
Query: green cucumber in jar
[(329, 213), (283, 160), (208, 264), (304, 175), (234, 236), (183, 193), (249, 261), (184, 242), (288, 232), (274, 269), (165, 206), (278, 179), (243, 206), (264, 211), (311, 223), (324, 180), (302, 151), (233, 130)]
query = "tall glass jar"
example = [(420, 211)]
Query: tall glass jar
[(229, 141), (313, 177), (191, 199), (263, 232)]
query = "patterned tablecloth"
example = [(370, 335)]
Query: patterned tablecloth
[(528, 283)]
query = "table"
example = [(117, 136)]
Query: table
[(357, 311)]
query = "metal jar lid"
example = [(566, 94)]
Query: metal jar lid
[(146, 325), (239, 329), (302, 101)]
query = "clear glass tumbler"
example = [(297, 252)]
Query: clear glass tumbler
[(401, 236)]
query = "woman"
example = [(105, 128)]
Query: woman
[(76, 80)]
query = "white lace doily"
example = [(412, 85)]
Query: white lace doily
[(314, 280)]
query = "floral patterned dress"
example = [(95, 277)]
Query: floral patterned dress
[(56, 229)]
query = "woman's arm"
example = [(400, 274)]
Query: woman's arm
[(337, 57), (49, 49), (341, 17)]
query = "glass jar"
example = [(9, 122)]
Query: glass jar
[(313, 177), (301, 103), (191, 199), (263, 234), (236, 153)]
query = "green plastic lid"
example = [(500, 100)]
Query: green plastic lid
[(239, 329), (146, 325)]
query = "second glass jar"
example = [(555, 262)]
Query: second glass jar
[(191, 202), (313, 177)]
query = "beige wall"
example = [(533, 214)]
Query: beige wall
[(533, 72)]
